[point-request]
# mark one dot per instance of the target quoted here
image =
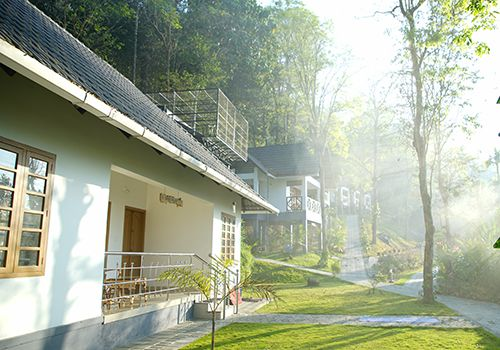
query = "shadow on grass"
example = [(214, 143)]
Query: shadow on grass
[(303, 336), (336, 297)]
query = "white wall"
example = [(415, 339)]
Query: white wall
[(277, 193), (251, 176), (124, 191), (86, 148), (186, 229), (70, 290)]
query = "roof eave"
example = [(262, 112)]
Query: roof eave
[(17, 60), (261, 166)]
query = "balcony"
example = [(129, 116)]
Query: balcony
[(313, 205), (295, 203)]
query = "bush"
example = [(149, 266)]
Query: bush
[(247, 260), (336, 235), (469, 271), (335, 267), (398, 263), (374, 277), (325, 257)]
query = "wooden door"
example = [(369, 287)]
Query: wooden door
[(133, 235)]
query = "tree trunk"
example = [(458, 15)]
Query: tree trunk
[(213, 330), (429, 229), (420, 145), (134, 65), (374, 180), (323, 245), (214, 311)]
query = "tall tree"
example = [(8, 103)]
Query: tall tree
[(316, 76), (426, 25), (106, 26), (447, 76), (375, 132)]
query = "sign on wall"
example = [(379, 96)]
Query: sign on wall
[(166, 198)]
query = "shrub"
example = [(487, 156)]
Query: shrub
[(336, 235), (374, 277), (469, 271), (247, 260), (397, 262), (325, 257), (335, 267)]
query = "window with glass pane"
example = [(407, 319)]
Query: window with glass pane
[(25, 186), (228, 237)]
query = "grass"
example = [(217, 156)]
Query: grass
[(405, 277), (306, 260), (304, 336), (334, 296), (277, 274)]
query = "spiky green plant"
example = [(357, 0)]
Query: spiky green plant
[(214, 285)]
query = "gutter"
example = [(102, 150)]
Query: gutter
[(46, 77)]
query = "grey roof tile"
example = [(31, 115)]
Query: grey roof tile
[(283, 160)]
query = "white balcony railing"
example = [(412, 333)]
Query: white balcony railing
[(313, 205), (295, 203)]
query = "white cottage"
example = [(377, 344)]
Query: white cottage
[(287, 176), (100, 191)]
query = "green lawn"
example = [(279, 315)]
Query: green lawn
[(307, 260), (304, 336), (405, 277), (334, 296)]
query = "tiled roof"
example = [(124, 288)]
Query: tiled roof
[(28, 29), (283, 160)]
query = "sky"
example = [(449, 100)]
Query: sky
[(370, 39)]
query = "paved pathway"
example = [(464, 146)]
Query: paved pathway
[(485, 314), (352, 267), (353, 270), (411, 288), (366, 320)]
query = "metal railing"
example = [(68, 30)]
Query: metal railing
[(294, 203), (230, 279), (131, 279)]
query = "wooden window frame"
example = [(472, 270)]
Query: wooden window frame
[(228, 237), (13, 248)]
